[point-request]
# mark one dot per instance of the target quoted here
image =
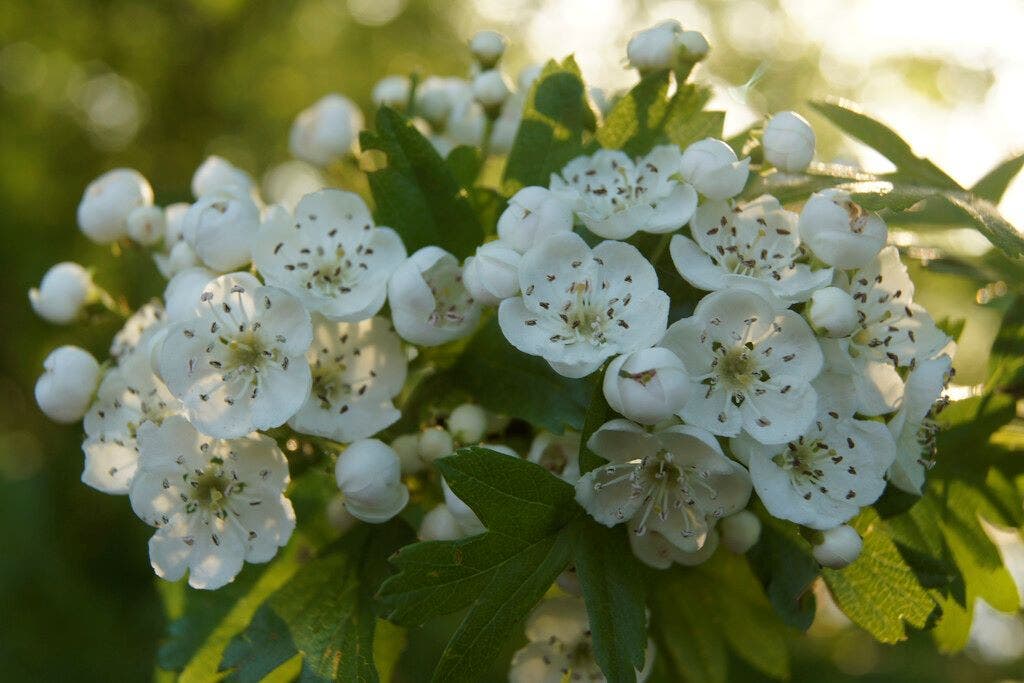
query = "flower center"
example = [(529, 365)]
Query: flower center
[(210, 488), (451, 300)]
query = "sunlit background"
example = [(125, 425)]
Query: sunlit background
[(88, 85)]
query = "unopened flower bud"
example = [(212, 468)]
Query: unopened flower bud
[(468, 423), (369, 476), (146, 225), (391, 91), (647, 386), (407, 448), (693, 46), (740, 532), (839, 231), (326, 131), (221, 226), (533, 214), (107, 201), (434, 443), (492, 275), (174, 219), (840, 547), (65, 389), (487, 48), (440, 525), (181, 257), (435, 97), (711, 166), (491, 89), (788, 142), (216, 173), (654, 48), (833, 312), (64, 291)]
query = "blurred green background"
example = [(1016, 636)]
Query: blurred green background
[(87, 85)]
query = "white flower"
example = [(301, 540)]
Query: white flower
[(357, 369), (216, 504), (139, 328), (491, 88), (561, 647), (676, 482), (740, 532), (435, 97), (467, 423), (654, 48), (655, 551), (839, 547), (329, 255), (429, 301), (914, 427), (183, 291), (178, 255), (433, 443), (892, 332), (839, 231), (439, 524), (824, 477), (129, 396), (833, 312), (63, 293), (788, 142), (391, 91), (487, 47), (407, 448), (107, 201), (370, 477), (467, 121), (217, 173), (693, 46), (326, 131), (65, 388), (581, 305), (751, 244), (750, 365), (557, 453), (146, 224), (239, 363), (492, 274), (615, 197), (174, 221), (221, 226), (647, 386), (712, 167), (533, 214)]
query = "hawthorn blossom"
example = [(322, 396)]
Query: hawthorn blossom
[(329, 255), (655, 551), (429, 301), (750, 366), (533, 214), (63, 293), (369, 475), (326, 131), (216, 504), (183, 291), (839, 231), (825, 476), (832, 312), (66, 386), (221, 226), (676, 482), (492, 273), (146, 319), (616, 196), (646, 386), (914, 426), (740, 245), (107, 202), (788, 142), (557, 453), (711, 166), (892, 332), (239, 363), (216, 173), (487, 47), (358, 368), (581, 305), (467, 423), (839, 547)]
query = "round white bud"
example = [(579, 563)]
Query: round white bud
[(391, 91), (839, 547), (788, 142), (147, 225), (64, 391), (326, 131), (839, 231), (492, 275), (62, 294), (468, 423), (833, 312), (369, 475), (107, 201), (435, 97), (338, 516), (740, 532), (487, 47), (434, 443), (711, 166), (647, 386), (491, 89), (408, 450), (654, 48), (693, 46), (440, 525), (533, 214), (181, 257), (221, 226), (216, 173), (174, 219)]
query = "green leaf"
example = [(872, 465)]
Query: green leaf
[(615, 593), (500, 574), (878, 591), (465, 162), (417, 193), (785, 566), (326, 613), (993, 185), (1006, 363), (701, 612), (985, 217), (551, 131)]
